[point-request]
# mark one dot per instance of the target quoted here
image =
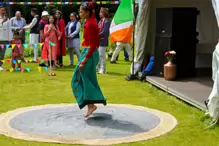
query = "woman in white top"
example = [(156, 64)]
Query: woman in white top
[(73, 37)]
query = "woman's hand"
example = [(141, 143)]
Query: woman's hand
[(81, 67)]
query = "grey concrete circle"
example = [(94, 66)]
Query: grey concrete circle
[(106, 123)]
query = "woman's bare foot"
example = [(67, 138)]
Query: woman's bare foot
[(91, 109)]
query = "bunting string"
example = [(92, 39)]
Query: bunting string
[(12, 46), (55, 3)]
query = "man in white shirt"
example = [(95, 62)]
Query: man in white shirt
[(119, 47), (34, 31), (5, 33)]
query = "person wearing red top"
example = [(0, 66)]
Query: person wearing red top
[(85, 86), (17, 51), (62, 43)]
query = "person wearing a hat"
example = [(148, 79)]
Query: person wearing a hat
[(5, 33), (104, 26), (34, 31), (42, 24)]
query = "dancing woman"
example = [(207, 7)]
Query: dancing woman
[(84, 82)]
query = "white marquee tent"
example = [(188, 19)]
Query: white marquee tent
[(207, 26)]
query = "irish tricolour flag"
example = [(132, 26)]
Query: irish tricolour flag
[(122, 24)]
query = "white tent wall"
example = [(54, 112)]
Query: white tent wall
[(206, 26), (141, 32)]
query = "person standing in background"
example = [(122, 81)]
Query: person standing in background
[(51, 32), (73, 37), (17, 24), (104, 26), (5, 33), (62, 43), (34, 31), (42, 24), (119, 47)]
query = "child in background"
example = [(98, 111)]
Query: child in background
[(17, 52)]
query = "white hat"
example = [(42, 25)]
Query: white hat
[(45, 13)]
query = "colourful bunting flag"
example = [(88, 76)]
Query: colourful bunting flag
[(14, 61), (19, 46), (51, 44), (13, 46), (28, 69), (5, 70), (2, 46), (36, 45), (2, 61), (40, 69), (41, 45), (18, 69), (11, 70), (22, 70), (26, 61), (25, 45), (9, 61), (42, 61), (30, 61), (8, 46), (19, 61), (46, 68), (55, 3)]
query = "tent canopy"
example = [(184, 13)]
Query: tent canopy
[(206, 26)]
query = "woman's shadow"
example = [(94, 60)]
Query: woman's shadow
[(104, 120)]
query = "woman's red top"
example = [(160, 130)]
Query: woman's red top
[(91, 37)]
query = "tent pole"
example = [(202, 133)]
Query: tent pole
[(133, 42)]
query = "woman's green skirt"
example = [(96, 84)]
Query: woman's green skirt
[(85, 86)]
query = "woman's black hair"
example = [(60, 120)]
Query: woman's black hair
[(60, 13), (76, 16), (86, 7), (55, 20), (35, 10), (16, 32)]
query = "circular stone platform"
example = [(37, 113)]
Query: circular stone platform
[(65, 123)]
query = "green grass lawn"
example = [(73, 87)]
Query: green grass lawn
[(28, 89)]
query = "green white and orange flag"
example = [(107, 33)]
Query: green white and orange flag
[(121, 28)]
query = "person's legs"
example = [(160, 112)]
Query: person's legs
[(126, 55), (34, 39), (129, 51), (102, 62), (116, 52), (60, 58), (77, 51), (91, 108), (71, 54)]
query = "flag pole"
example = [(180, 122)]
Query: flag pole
[(50, 60), (133, 42), (132, 76)]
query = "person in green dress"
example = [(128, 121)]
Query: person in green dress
[(85, 86)]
